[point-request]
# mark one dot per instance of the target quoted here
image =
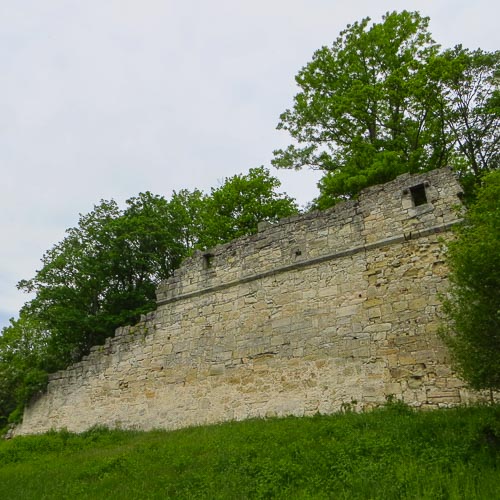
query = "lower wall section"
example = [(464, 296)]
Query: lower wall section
[(348, 331)]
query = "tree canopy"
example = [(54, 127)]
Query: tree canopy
[(235, 208), (25, 361), (384, 100), (473, 304), (102, 274)]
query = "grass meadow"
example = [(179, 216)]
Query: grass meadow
[(389, 453)]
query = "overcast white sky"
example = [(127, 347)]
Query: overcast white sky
[(104, 99)]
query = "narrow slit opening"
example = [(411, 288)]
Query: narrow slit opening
[(208, 260)]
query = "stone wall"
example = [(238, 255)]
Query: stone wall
[(319, 311)]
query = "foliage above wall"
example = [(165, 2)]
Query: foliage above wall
[(384, 100)]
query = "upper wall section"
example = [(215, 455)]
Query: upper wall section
[(409, 206)]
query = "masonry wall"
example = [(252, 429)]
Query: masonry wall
[(316, 312)]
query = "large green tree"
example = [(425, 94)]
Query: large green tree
[(235, 208), (473, 304), (25, 360), (383, 100), (103, 273), (470, 94)]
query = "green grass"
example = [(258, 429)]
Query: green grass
[(391, 453)]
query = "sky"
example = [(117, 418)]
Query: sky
[(104, 99)]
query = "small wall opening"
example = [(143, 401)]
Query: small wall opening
[(418, 195), (208, 260)]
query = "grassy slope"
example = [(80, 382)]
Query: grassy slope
[(389, 453)]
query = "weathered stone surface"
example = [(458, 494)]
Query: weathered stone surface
[(310, 314)]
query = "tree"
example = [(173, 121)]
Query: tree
[(235, 208), (382, 101), (188, 217), (105, 271), (25, 360), (473, 304), (470, 94), (103, 274)]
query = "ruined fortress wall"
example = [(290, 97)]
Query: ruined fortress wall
[(308, 315)]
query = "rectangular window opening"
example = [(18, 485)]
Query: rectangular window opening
[(418, 195), (208, 259)]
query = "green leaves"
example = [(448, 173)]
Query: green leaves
[(102, 274), (473, 304), (382, 100), (105, 271), (236, 208), (25, 359), (470, 82)]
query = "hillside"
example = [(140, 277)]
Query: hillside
[(392, 452)]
